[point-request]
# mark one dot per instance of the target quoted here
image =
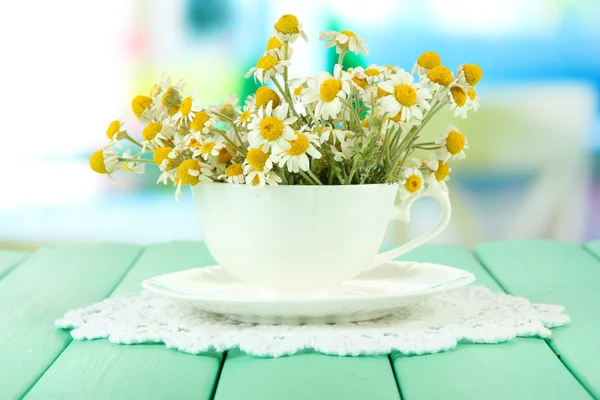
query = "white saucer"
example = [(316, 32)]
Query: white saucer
[(372, 294)]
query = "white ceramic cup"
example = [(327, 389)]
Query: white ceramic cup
[(303, 237)]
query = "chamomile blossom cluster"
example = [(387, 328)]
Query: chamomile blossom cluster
[(343, 127)]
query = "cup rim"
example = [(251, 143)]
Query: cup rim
[(281, 186)]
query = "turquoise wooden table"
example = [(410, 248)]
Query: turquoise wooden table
[(39, 362)]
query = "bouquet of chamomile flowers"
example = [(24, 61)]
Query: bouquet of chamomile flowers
[(344, 127)]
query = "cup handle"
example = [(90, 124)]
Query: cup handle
[(402, 213)]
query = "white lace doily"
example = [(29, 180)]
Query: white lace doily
[(437, 323)]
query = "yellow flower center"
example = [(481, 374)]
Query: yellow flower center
[(193, 143), (257, 159), (225, 155), (255, 180), (348, 33), (396, 118), (274, 43), (440, 75), (140, 104), (361, 82), (271, 128), (413, 183), (183, 172), (97, 162), (406, 95), (264, 95), (330, 88), (459, 95), (372, 72), (381, 93), (207, 147), (186, 106), (245, 115), (298, 90), (161, 154), (471, 93), (299, 145), (429, 59), (171, 98), (365, 122), (267, 62), (455, 142), (113, 129), (287, 24), (151, 130), (234, 170), (199, 121), (473, 73), (443, 171), (228, 110)]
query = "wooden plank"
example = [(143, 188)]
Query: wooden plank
[(306, 375), (47, 283), (558, 273), (102, 370), (520, 369), (9, 259)]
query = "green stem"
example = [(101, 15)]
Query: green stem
[(135, 160), (232, 123), (220, 132), (312, 175), (132, 140), (284, 95), (308, 179), (341, 58)]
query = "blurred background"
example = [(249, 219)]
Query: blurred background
[(71, 67)]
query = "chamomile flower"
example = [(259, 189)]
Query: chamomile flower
[(336, 135), (405, 96), (411, 183), (142, 108), (438, 77), (469, 74), (191, 172), (270, 129), (209, 146), (344, 150), (187, 111), (296, 157), (439, 172), (344, 41), (358, 78), (453, 143), (257, 165), (105, 161), (115, 132), (473, 99), (276, 48), (246, 115), (287, 29), (374, 73), (168, 99), (157, 134), (426, 62), (458, 101), (264, 95), (327, 91), (266, 67), (234, 174), (229, 108), (202, 123)]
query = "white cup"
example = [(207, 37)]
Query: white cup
[(303, 237)]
